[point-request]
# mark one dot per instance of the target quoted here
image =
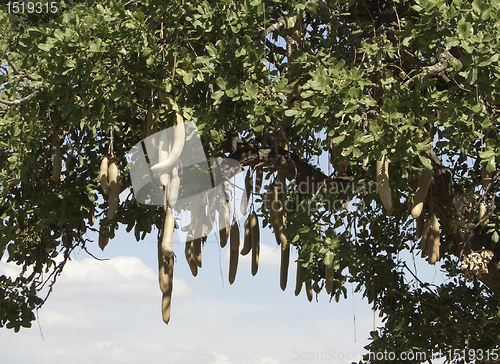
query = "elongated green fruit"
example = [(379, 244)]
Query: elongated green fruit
[(422, 189), (247, 237), (255, 236), (246, 194), (259, 176), (224, 223), (114, 188), (384, 188), (178, 146), (103, 176), (433, 240), (168, 233), (300, 277), (234, 242), (56, 164), (285, 261), (103, 237)]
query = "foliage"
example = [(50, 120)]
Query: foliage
[(409, 79)]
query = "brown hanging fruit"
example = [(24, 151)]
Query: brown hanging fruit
[(247, 237), (190, 256), (255, 236), (309, 290), (433, 240), (103, 237), (424, 242), (285, 261), (422, 189), (114, 188), (197, 251), (165, 270), (167, 294), (300, 277), (103, 176), (234, 242), (276, 214), (168, 233), (419, 227), (259, 176), (224, 223)]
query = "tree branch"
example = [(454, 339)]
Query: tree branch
[(21, 101)]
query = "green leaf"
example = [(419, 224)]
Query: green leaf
[(258, 128), (312, 6), (328, 258), (221, 83), (476, 6), (426, 162), (59, 35), (217, 95), (490, 166), (232, 92), (487, 154), (306, 94), (282, 83), (45, 47), (188, 78), (212, 51), (291, 112), (338, 140)]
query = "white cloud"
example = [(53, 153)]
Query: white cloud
[(125, 277), (9, 269), (220, 358)]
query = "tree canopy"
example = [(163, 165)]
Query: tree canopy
[(274, 85)]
